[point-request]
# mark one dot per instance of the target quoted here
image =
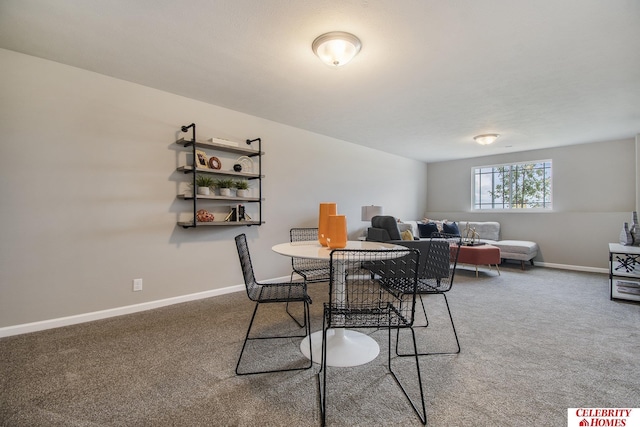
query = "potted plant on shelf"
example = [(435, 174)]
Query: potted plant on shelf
[(204, 183), (225, 185), (242, 186)]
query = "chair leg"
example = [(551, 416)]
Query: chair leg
[(246, 338), (322, 384), (424, 310), (304, 322), (455, 334), (422, 411)]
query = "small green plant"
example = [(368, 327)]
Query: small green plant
[(242, 184), (204, 181), (224, 183)]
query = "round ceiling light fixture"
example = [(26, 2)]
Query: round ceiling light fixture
[(486, 139), (336, 48)]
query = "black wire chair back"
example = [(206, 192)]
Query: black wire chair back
[(437, 271), (440, 263), (311, 270), (356, 297)]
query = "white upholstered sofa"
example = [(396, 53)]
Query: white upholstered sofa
[(489, 232)]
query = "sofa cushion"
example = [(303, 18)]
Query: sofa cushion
[(450, 228), (404, 227), (517, 249), (488, 230), (414, 227), (425, 229)]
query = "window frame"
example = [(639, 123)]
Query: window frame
[(511, 209)]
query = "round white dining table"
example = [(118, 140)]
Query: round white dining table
[(344, 347)]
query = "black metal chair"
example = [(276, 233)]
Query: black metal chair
[(435, 277), (311, 270), (265, 293), (357, 300)]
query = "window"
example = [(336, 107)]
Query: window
[(519, 186)]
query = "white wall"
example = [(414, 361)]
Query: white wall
[(89, 188), (594, 189)]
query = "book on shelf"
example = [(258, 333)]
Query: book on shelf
[(232, 215), (237, 214), (223, 141)]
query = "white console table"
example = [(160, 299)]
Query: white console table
[(624, 272)]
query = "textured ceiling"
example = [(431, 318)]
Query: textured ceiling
[(431, 74)]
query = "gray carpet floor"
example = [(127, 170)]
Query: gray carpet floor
[(534, 343)]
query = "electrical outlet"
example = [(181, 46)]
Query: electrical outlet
[(137, 285)]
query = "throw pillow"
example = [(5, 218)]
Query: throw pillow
[(407, 235), (425, 230), (404, 227), (451, 228)]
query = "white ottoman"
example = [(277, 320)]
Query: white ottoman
[(520, 250)]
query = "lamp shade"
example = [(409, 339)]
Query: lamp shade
[(369, 212)]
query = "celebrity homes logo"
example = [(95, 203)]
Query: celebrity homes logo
[(603, 417)]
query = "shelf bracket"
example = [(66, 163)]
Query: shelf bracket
[(249, 141), (192, 126)]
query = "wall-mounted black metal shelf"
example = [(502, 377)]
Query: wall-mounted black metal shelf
[(213, 147)]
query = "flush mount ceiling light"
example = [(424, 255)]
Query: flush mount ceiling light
[(486, 139), (336, 48)]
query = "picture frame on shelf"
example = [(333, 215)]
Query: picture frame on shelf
[(201, 160), (214, 163)]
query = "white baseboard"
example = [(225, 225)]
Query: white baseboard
[(119, 311), (573, 267)]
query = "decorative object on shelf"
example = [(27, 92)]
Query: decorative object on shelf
[(204, 184), (201, 159), (204, 216), (214, 163), (326, 209), (242, 187), (244, 164), (223, 141), (225, 185), (337, 238), (635, 229), (625, 235)]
